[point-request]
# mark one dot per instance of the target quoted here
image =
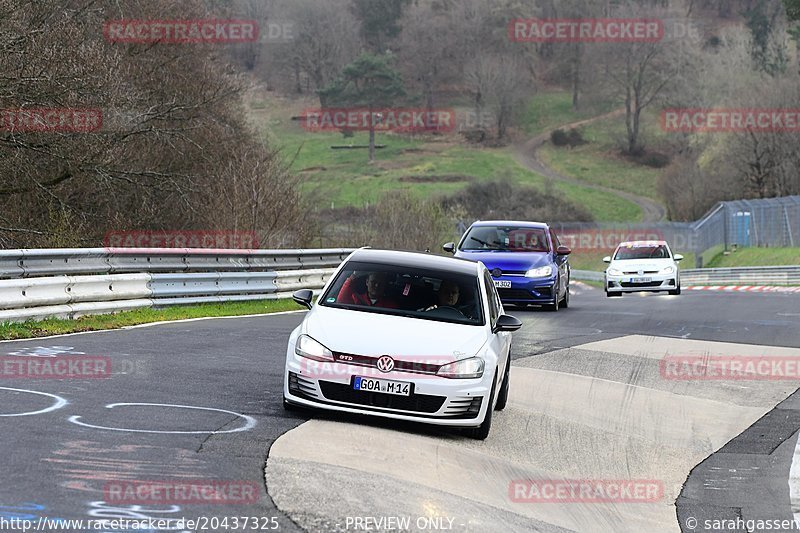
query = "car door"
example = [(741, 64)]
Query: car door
[(562, 263), (500, 342)]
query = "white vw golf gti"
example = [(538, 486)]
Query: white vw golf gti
[(642, 266), (404, 335)]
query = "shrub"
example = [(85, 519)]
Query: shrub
[(560, 137)]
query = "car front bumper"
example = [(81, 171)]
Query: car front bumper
[(433, 399), (628, 283), (527, 290)]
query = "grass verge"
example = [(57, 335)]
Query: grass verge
[(757, 257), (56, 326)]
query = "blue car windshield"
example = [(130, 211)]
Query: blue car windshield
[(506, 239)]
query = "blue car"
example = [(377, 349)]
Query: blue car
[(527, 263)]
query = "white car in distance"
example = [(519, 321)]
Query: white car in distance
[(638, 266), (407, 336)]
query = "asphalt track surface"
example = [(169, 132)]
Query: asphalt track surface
[(587, 402)]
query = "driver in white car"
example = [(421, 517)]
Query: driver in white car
[(447, 296)]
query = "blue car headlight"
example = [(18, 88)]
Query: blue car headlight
[(541, 272)]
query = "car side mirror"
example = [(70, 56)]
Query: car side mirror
[(303, 297), (677, 257), (607, 259), (507, 323), (563, 250), (449, 247)]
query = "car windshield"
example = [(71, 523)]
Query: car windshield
[(642, 251), (406, 291), (506, 238)]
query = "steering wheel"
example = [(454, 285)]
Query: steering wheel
[(447, 307)]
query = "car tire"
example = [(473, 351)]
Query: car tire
[(482, 431), (565, 301), (613, 294), (502, 398), (676, 291), (556, 305)]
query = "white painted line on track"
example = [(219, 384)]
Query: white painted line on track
[(251, 422), (59, 402)]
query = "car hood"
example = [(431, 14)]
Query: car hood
[(508, 261), (630, 265), (373, 334)]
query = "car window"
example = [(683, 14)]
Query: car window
[(491, 292), (418, 293), (642, 251), (554, 238)]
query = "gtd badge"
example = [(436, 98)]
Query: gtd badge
[(385, 363)]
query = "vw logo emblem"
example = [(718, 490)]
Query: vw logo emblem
[(385, 363), (496, 272), (641, 272)]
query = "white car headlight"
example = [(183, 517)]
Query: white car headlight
[(466, 368), (311, 349), (668, 270), (541, 272), (614, 272)]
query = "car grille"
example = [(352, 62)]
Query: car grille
[(420, 403), (636, 272), (521, 294), (628, 284), (464, 407), (417, 367), (301, 386)]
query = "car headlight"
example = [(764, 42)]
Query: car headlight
[(614, 272), (541, 272), (668, 270), (311, 349), (466, 368)]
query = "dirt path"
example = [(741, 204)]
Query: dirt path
[(526, 154)]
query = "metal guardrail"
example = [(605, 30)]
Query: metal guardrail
[(764, 275), (71, 282)]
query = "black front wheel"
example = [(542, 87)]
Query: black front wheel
[(502, 398)]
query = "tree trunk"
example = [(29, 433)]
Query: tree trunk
[(576, 77), (629, 120), (371, 141), (298, 87)]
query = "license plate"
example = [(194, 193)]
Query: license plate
[(502, 284), (641, 280), (382, 385)]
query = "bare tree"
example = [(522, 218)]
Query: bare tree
[(324, 40), (498, 84), (165, 143)]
